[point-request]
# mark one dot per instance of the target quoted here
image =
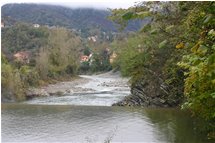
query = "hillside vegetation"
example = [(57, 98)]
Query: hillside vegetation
[(34, 56), (52, 54), (80, 19)]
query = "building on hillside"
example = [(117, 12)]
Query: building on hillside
[(36, 25), (2, 24), (93, 38), (84, 58), (23, 57)]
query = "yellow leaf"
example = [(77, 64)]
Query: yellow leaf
[(180, 45)]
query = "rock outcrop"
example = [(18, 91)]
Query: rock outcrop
[(152, 91)]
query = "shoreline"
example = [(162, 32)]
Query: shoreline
[(59, 88)]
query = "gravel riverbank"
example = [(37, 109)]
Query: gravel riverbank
[(83, 84)]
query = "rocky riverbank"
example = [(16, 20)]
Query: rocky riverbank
[(110, 81), (91, 90), (152, 91), (59, 88)]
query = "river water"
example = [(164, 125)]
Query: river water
[(88, 116)]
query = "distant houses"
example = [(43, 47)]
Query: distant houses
[(23, 57)]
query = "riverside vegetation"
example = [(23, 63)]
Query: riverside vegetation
[(171, 60)]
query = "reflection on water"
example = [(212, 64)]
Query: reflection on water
[(64, 123), (174, 125)]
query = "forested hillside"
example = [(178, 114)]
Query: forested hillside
[(83, 19)]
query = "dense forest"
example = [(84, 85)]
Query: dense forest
[(170, 59)]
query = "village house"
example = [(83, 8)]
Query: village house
[(84, 58), (23, 57), (93, 38), (36, 25), (2, 24)]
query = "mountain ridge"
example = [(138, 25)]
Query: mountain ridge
[(72, 18)]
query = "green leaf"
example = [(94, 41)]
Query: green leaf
[(163, 44)]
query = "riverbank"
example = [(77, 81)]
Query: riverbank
[(152, 91), (58, 88), (108, 88)]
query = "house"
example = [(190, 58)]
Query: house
[(23, 57), (84, 58), (2, 24), (93, 38), (36, 25)]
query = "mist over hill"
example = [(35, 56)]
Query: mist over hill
[(82, 19)]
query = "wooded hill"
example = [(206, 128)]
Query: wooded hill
[(83, 19)]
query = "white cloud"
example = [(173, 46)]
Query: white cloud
[(80, 3)]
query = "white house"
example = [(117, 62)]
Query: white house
[(36, 25)]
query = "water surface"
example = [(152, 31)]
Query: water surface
[(66, 123)]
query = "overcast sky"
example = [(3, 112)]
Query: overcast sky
[(80, 3)]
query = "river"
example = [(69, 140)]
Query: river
[(87, 116)]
